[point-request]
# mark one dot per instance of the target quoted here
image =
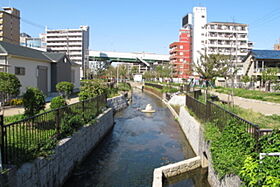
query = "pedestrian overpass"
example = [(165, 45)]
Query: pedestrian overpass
[(144, 61)]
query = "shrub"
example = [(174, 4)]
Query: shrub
[(33, 101), (9, 86), (263, 172), (230, 149), (16, 102), (92, 88), (58, 102), (70, 124), (64, 88)]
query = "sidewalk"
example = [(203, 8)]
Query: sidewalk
[(20, 110), (264, 107)]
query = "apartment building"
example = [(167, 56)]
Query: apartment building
[(180, 54), (227, 38), (230, 39), (73, 42), (198, 32), (10, 25)]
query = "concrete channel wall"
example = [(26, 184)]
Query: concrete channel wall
[(54, 169), (194, 133), (117, 103)]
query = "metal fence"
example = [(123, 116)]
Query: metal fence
[(21, 140), (154, 85), (213, 112), (197, 107)]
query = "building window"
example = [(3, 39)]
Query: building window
[(19, 71)]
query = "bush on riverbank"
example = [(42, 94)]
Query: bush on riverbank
[(230, 147)]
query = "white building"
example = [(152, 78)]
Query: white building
[(225, 38), (228, 39), (199, 22), (39, 69), (73, 42)]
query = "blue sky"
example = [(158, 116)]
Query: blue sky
[(145, 25)]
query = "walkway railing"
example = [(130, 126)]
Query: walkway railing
[(21, 140), (211, 111)]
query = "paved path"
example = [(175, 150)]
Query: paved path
[(20, 110), (266, 108)]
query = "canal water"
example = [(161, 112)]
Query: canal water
[(138, 143)]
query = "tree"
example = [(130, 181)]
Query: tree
[(33, 101), (245, 79), (212, 66), (92, 88), (9, 86), (163, 71), (58, 102), (65, 88), (269, 76)]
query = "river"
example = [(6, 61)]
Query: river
[(138, 143)]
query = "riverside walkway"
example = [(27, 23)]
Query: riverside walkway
[(266, 108)]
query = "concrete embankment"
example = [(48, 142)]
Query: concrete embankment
[(193, 131), (54, 169)]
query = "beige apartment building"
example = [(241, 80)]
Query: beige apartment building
[(10, 25)]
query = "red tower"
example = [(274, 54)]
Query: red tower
[(180, 54)]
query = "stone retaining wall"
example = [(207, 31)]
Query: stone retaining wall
[(117, 103), (54, 169), (194, 133)]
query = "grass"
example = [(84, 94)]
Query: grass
[(251, 94), (255, 117)]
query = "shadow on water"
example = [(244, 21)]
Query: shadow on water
[(138, 143)]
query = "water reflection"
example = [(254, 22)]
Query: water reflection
[(138, 143)]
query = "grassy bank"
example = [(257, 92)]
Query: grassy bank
[(251, 94)]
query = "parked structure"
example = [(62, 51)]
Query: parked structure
[(9, 25), (37, 68), (73, 42), (258, 60)]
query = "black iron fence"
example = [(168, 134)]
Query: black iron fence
[(154, 85), (211, 111), (21, 140)]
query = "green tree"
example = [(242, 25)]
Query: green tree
[(211, 66), (245, 79), (9, 86), (92, 88), (65, 88), (58, 102), (33, 101), (269, 76)]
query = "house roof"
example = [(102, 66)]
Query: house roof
[(18, 50), (54, 56), (265, 54), (12, 49)]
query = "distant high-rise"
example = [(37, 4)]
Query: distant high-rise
[(227, 38), (73, 42), (181, 54), (10, 25), (198, 32)]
